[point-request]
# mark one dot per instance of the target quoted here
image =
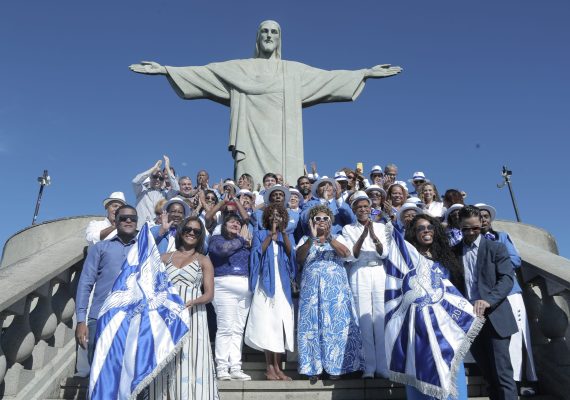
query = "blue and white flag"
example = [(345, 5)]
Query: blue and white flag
[(141, 326), (429, 325)]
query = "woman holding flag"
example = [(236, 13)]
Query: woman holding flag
[(428, 236)]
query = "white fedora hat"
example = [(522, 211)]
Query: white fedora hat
[(178, 200), (284, 189), (452, 209), (357, 196), (321, 181), (408, 206), (115, 196), (490, 209), (372, 188)]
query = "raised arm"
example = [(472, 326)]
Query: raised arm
[(148, 68), (139, 179), (382, 71)]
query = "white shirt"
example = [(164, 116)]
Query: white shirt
[(93, 231), (368, 254), (435, 209)]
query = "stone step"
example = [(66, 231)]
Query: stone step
[(300, 387)]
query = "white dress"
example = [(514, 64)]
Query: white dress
[(191, 374), (270, 325)]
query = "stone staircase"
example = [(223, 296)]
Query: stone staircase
[(349, 388), (40, 267)]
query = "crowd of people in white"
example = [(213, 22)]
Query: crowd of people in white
[(300, 268)]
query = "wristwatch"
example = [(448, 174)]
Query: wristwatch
[(375, 241)]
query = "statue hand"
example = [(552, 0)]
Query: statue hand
[(148, 67), (382, 71)]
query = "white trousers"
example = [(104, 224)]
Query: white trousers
[(520, 347), (232, 300), (367, 284)]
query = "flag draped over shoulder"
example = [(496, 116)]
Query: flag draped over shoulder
[(429, 325), (141, 326)]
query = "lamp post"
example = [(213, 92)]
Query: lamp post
[(44, 181), (506, 173)]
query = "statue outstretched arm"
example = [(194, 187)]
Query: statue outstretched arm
[(382, 71), (149, 68)]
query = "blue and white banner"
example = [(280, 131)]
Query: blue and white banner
[(141, 326), (429, 325)]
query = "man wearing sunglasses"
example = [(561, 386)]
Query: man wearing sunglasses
[(488, 281), (100, 269), (147, 197), (366, 241)]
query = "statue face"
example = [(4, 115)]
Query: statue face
[(269, 36)]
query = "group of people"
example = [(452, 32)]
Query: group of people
[(302, 268)]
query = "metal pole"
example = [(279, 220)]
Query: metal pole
[(507, 177), (44, 180)]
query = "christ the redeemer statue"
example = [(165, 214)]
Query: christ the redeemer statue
[(266, 96)]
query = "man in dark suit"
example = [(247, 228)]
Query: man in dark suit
[(488, 282)]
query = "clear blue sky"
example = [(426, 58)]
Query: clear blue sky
[(484, 84)]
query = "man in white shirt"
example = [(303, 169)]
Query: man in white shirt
[(105, 229), (366, 241), (148, 197)]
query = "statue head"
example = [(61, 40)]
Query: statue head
[(268, 40)]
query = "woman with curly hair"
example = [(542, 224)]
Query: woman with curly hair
[(428, 236), (328, 333), (270, 326)]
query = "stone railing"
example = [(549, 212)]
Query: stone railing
[(38, 277), (546, 293)]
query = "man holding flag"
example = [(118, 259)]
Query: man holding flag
[(137, 322), (101, 268)]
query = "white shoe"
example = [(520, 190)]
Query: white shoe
[(223, 375), (239, 375)]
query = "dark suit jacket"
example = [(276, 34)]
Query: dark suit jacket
[(495, 281)]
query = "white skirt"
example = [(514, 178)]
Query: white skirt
[(270, 325)]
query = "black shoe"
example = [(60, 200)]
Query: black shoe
[(313, 379), (334, 377)]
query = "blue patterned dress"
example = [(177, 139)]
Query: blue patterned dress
[(328, 333)]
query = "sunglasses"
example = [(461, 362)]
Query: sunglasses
[(326, 218), (125, 218), (189, 230), (473, 228), (159, 177), (429, 228)]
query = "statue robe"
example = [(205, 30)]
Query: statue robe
[(266, 98)]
